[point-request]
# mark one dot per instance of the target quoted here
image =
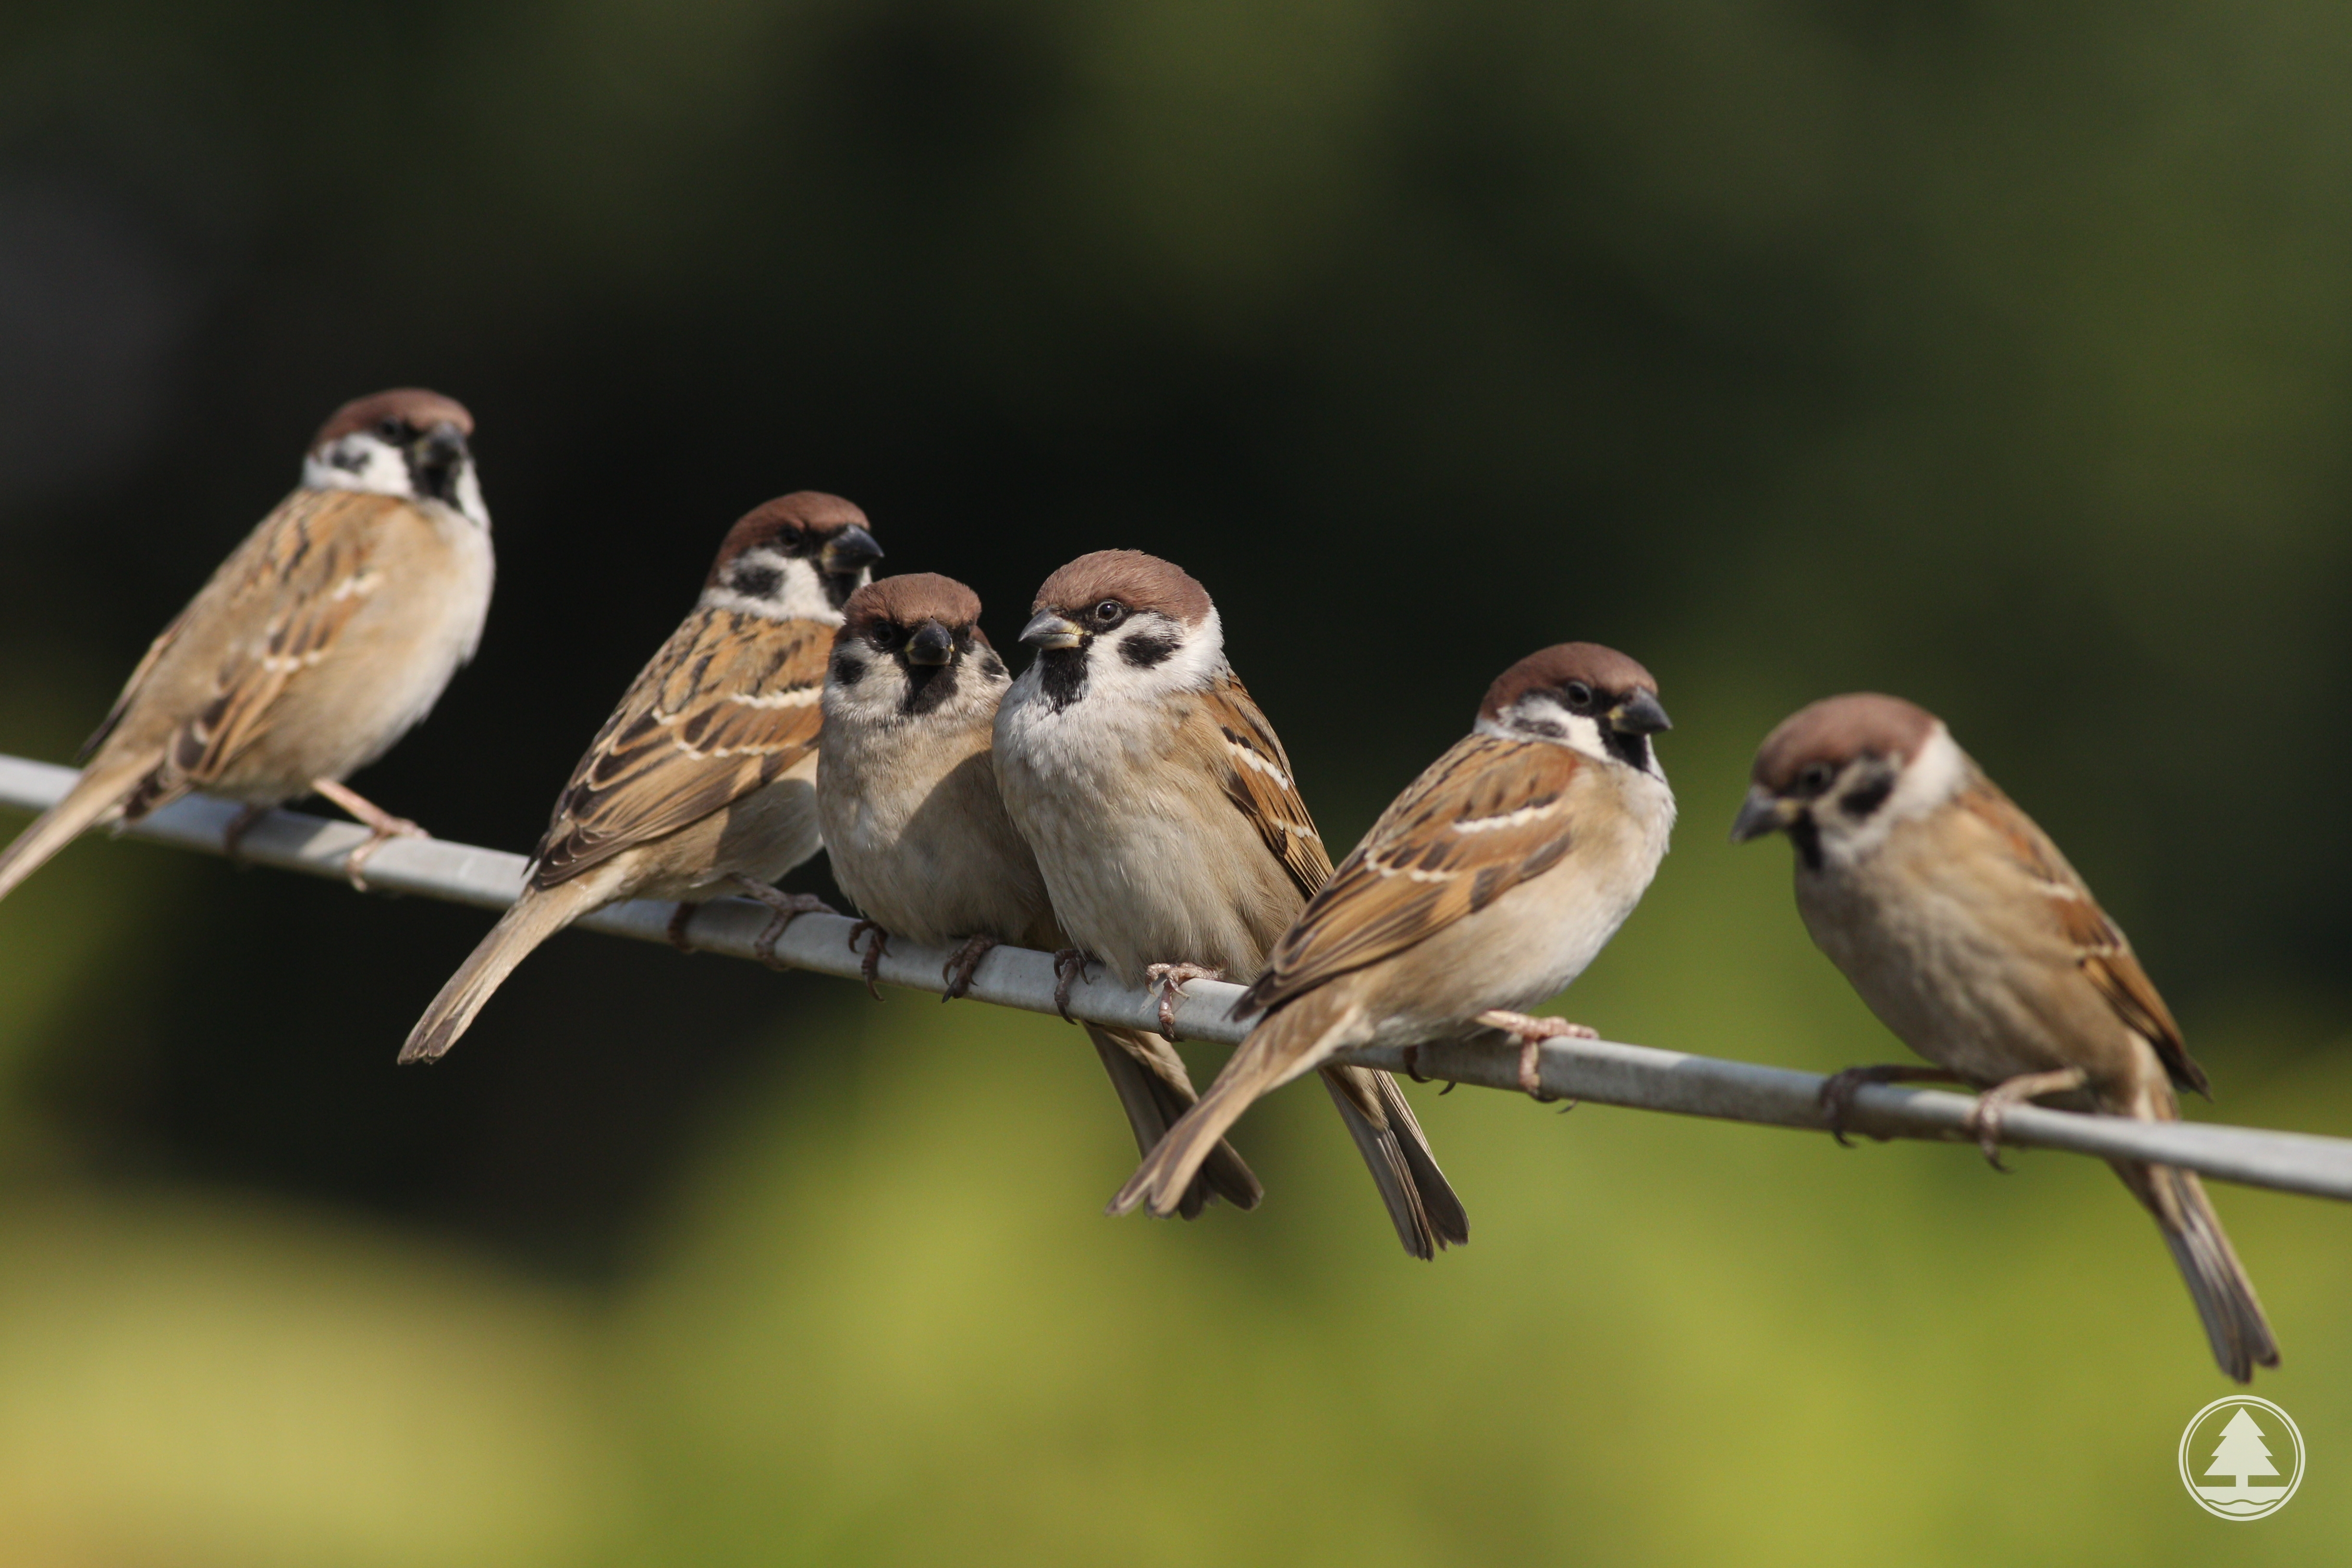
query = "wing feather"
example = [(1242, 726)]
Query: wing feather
[(2101, 950), (297, 579), (1258, 780), (726, 708), (1487, 816)]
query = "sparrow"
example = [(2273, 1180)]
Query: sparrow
[(1485, 887), (1970, 937), (703, 779), (1171, 835), (322, 639), (919, 839)]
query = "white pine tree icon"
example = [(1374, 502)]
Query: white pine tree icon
[(2242, 1454)]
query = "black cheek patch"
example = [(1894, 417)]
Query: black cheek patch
[(1145, 649), (755, 582), (848, 670), (1864, 799), (990, 666)]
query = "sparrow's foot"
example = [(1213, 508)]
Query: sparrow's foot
[(381, 826), (783, 908), (1531, 1032), (233, 836), (871, 963), (1985, 1117), (1413, 1066), (680, 918), (1836, 1096), (1069, 967), (959, 968), (1167, 979)]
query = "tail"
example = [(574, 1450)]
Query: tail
[(538, 914), (2225, 1297), (1293, 1038), (1165, 1177), (92, 797), (1157, 1091), (1421, 1202)]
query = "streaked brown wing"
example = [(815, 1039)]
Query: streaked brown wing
[(1485, 816), (297, 581), (1258, 780), (727, 707), (2101, 949)]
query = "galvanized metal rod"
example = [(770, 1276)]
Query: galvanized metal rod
[(1601, 1072)]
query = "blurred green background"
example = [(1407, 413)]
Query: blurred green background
[(1999, 354)]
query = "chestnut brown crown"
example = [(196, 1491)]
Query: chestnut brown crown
[(801, 523), (910, 602), (1141, 583), (400, 415), (1610, 674), (1835, 731)]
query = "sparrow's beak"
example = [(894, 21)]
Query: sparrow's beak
[(932, 644), (1639, 715), (848, 551), (1763, 812), (442, 446), (1051, 629)]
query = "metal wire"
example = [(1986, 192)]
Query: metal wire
[(1601, 1072)]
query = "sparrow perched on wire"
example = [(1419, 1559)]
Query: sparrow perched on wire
[(1171, 838), (321, 640), (702, 781), (918, 836), (1971, 938), (1488, 885)]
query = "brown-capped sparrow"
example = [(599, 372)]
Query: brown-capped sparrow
[(321, 640), (1171, 838), (702, 781), (1488, 885), (1971, 938), (918, 836)]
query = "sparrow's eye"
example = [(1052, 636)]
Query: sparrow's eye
[(884, 636), (1816, 778), (391, 429), (1579, 695)]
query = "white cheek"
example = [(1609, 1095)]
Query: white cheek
[(799, 593), (358, 461), (1198, 659), (874, 698), (361, 462), (1938, 772), (1532, 717)]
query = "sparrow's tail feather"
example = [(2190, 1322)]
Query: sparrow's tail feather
[(1421, 1203), (93, 795), (533, 918), (1168, 1169), (1292, 1039), (2225, 1297), (1157, 1091)]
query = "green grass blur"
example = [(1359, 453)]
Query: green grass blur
[(884, 1321)]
